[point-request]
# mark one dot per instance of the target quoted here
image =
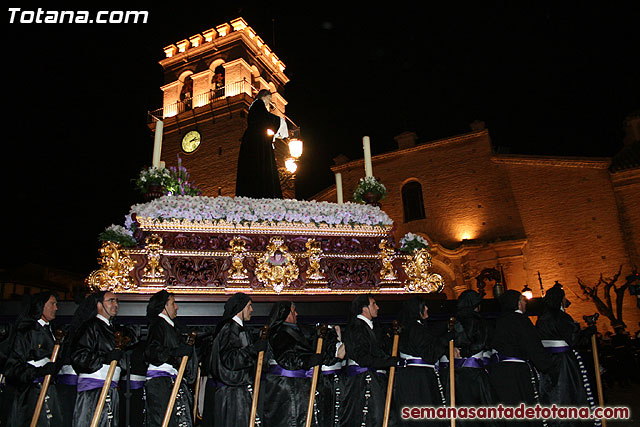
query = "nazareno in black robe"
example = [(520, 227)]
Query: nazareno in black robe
[(286, 398), (257, 175), (33, 342), (515, 337), (568, 384), (415, 384), (162, 342), (366, 391), (472, 335), (90, 348), (233, 368)]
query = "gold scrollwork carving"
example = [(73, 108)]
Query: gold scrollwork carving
[(387, 255), (419, 277), (238, 254), (153, 250), (276, 267), (114, 273), (314, 254)]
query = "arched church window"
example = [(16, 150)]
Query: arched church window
[(412, 201), (217, 82), (186, 93)]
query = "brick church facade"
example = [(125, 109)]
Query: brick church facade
[(562, 217)]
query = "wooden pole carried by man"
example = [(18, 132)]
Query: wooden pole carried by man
[(392, 374), (191, 340), (59, 335), (314, 378)]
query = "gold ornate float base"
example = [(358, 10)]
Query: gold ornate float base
[(301, 259)]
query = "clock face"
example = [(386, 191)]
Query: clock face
[(191, 141)]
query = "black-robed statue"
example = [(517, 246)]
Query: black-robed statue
[(369, 359), (473, 336), (29, 361), (163, 352), (233, 360), (520, 354), (93, 349), (419, 383), (288, 381), (257, 175), (568, 385)]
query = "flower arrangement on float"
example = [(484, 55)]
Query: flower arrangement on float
[(247, 210), (154, 182), (118, 234), (369, 190), (412, 242)]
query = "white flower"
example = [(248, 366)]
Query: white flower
[(243, 209)]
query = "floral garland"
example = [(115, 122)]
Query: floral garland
[(245, 210)]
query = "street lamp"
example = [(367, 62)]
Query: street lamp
[(291, 165), (527, 292), (295, 148)]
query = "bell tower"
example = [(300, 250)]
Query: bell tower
[(210, 80)]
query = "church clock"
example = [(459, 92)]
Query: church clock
[(191, 141)]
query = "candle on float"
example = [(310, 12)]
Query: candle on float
[(339, 187), (366, 144), (157, 144)]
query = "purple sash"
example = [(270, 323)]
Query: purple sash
[(298, 373), (158, 374), (557, 349), (67, 379), (353, 370), (85, 384), (468, 362)]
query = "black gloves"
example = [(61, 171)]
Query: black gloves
[(182, 350), (112, 355), (314, 360), (49, 368), (260, 345), (388, 362)]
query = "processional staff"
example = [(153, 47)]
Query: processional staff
[(47, 379), (256, 383), (120, 342), (591, 321), (314, 378), (452, 371), (392, 374), (191, 340), (196, 392)]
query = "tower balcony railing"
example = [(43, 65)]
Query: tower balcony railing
[(200, 100)]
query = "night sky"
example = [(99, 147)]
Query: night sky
[(552, 78)]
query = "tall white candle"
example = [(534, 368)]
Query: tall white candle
[(366, 145), (157, 144), (339, 187)]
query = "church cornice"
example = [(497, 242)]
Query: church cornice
[(553, 161), (411, 150)]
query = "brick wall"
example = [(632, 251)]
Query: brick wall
[(564, 209)]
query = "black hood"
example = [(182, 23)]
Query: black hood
[(467, 302), (156, 304), (553, 297), (509, 300)]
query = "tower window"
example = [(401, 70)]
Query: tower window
[(412, 201)]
